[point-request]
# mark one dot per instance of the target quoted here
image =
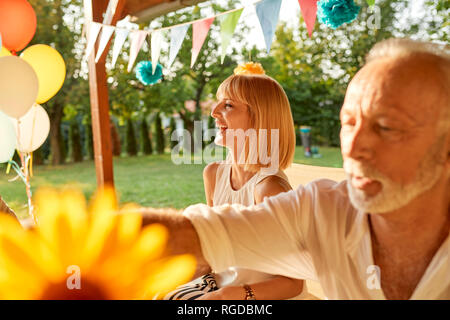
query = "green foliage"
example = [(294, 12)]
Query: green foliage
[(146, 144)]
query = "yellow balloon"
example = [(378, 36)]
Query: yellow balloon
[(49, 67), (4, 52)]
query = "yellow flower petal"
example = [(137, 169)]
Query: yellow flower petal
[(170, 274)]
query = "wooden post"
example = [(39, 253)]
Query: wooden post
[(98, 88)]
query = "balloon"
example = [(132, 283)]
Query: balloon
[(49, 67), (7, 138), (32, 129), (17, 23), (4, 52), (18, 86)]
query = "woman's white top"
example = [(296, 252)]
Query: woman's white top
[(225, 194)]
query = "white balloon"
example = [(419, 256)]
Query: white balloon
[(7, 138), (32, 129), (18, 86)]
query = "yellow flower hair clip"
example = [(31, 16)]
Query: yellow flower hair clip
[(249, 68)]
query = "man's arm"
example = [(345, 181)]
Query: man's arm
[(182, 235)]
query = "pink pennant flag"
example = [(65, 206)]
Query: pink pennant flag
[(138, 38), (309, 13), (199, 32)]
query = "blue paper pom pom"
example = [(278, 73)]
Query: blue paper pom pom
[(334, 13), (144, 72)]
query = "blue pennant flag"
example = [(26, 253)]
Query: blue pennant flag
[(268, 12)]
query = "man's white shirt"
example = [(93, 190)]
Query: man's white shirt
[(310, 233)]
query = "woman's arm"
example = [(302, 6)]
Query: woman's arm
[(278, 288), (209, 181)]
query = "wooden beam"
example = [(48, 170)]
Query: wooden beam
[(98, 88)]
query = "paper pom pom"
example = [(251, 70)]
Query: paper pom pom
[(249, 68), (144, 72), (334, 13)]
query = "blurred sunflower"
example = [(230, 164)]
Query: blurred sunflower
[(76, 253)]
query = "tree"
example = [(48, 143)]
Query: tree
[(53, 30)]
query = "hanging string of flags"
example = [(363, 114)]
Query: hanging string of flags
[(267, 12)]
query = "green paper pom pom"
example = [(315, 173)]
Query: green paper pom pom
[(145, 75), (334, 13)]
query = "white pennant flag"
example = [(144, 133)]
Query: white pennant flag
[(92, 34), (157, 38), (121, 36), (177, 35), (107, 32)]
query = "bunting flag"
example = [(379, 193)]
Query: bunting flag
[(157, 38), (228, 23), (177, 35), (138, 38), (268, 12), (92, 34), (121, 36), (309, 13), (200, 30), (106, 34)]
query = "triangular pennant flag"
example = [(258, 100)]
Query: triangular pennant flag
[(309, 13), (199, 32), (268, 12), (107, 32), (121, 36), (157, 38), (370, 2), (138, 38), (93, 31), (228, 23), (177, 35)]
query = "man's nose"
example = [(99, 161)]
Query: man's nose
[(358, 142)]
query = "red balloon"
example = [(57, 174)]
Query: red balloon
[(17, 23)]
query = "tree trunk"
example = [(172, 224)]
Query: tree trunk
[(159, 134), (38, 158), (173, 127), (115, 139), (146, 138), (89, 141), (56, 140), (75, 142), (131, 139)]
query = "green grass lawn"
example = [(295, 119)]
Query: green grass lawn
[(147, 180)]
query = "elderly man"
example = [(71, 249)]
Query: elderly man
[(383, 233)]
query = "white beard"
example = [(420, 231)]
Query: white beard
[(394, 195)]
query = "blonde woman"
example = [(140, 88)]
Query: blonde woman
[(253, 103)]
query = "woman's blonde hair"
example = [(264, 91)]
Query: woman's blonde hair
[(269, 109)]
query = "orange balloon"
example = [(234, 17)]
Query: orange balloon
[(17, 23)]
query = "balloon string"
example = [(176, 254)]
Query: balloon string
[(32, 127), (25, 161), (8, 167), (31, 164)]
